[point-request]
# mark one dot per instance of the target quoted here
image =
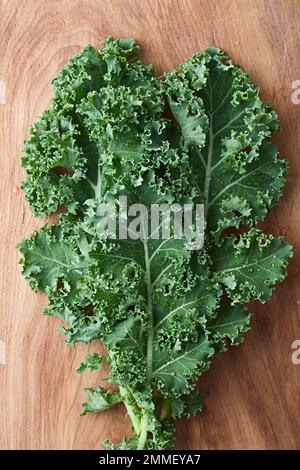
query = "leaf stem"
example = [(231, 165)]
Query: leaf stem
[(132, 409), (209, 158), (144, 431), (140, 416), (150, 315)]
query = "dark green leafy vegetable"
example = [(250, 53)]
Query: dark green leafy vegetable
[(161, 310)]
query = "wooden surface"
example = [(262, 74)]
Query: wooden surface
[(253, 391)]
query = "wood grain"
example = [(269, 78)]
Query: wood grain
[(252, 392)]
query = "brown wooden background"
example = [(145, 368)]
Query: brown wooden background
[(252, 392)]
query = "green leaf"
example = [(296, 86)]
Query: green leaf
[(235, 168), (47, 258), (189, 112), (161, 310), (251, 266), (172, 374), (93, 362), (99, 400), (230, 322), (186, 405)]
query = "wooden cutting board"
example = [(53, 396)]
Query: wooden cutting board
[(253, 391)]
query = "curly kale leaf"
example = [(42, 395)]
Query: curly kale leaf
[(225, 127), (100, 400), (161, 310)]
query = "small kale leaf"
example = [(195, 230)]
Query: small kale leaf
[(100, 400)]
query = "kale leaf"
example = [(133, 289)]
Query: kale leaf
[(161, 310)]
